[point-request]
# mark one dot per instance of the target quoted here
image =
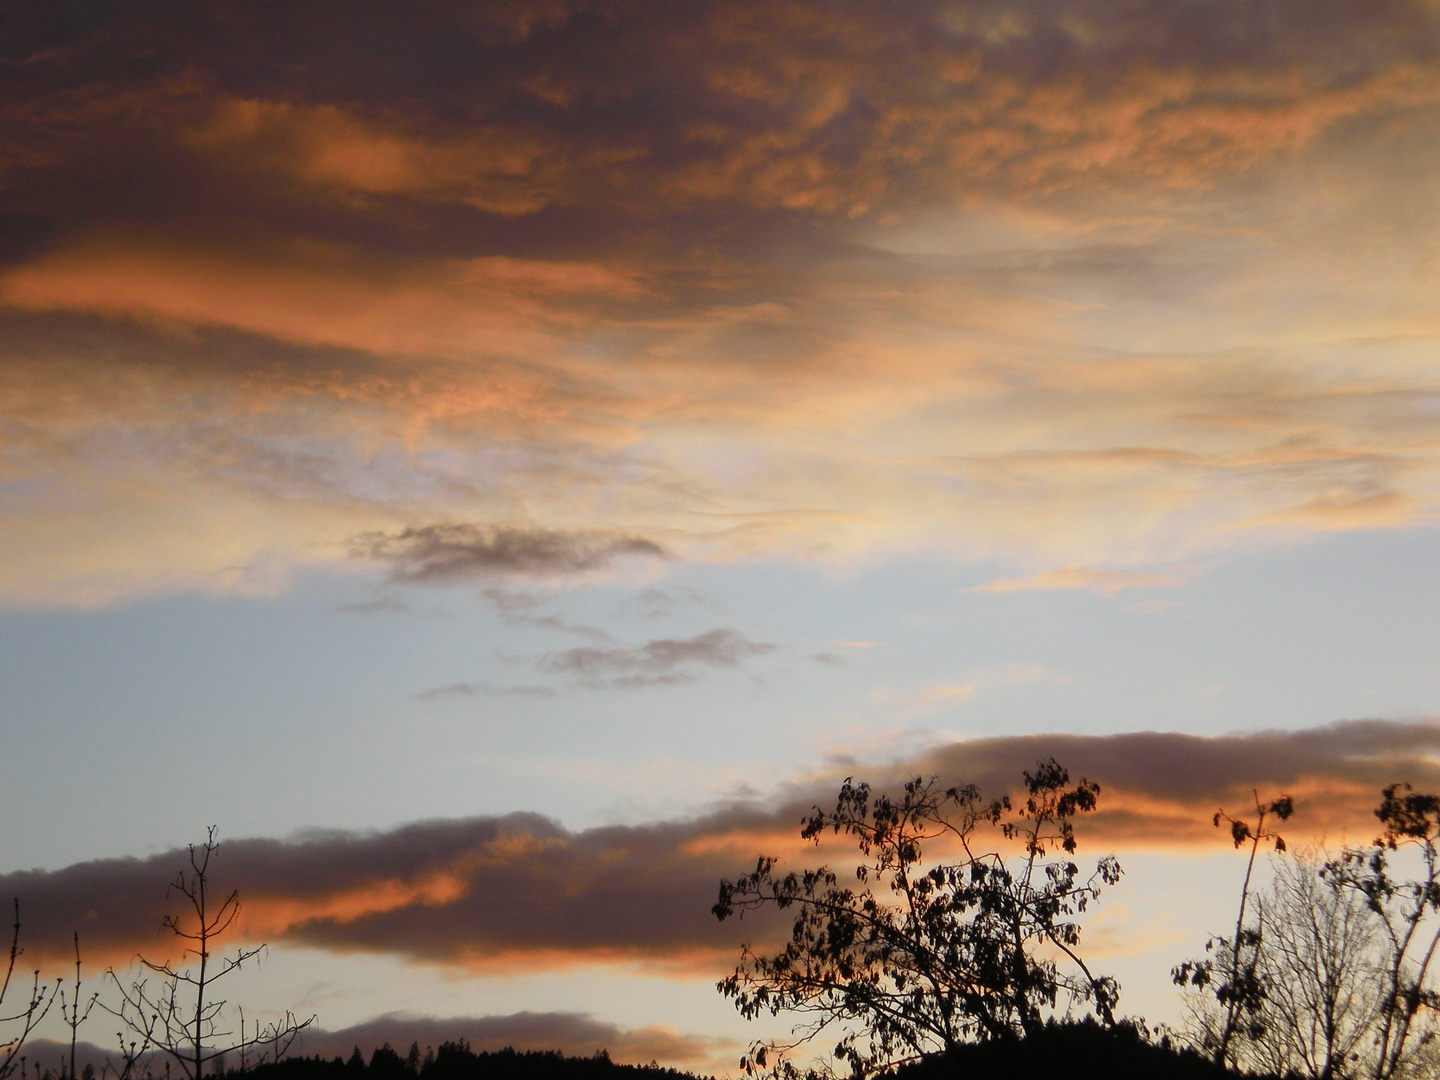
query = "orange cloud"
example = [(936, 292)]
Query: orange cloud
[(490, 305), (1344, 511), (500, 894), (494, 169), (1072, 291), (270, 916)]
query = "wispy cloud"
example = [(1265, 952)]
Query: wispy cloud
[(384, 605), (471, 689), (524, 609), (660, 661), (658, 603), (939, 695), (448, 553), (1104, 582), (463, 689)]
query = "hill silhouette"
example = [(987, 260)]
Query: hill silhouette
[(1077, 1051), (456, 1061), (1074, 1051)]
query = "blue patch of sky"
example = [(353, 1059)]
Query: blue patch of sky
[(129, 729)]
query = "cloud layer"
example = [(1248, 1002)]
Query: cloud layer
[(1071, 284), (522, 891)]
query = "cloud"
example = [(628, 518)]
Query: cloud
[(663, 660), (945, 694), (520, 891), (1344, 511), (783, 111), (1070, 286), (326, 297), (447, 553), (384, 605), (657, 603), (491, 168), (480, 892), (927, 697), (522, 609), (470, 689), (1103, 582), (453, 690)]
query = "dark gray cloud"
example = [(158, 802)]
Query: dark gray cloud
[(462, 689), (470, 689), (631, 124), (521, 889), (663, 660), (384, 605), (471, 891), (455, 552)]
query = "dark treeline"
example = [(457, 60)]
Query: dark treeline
[(1077, 1051), (456, 1061)]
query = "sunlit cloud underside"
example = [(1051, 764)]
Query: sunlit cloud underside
[(1096, 292), (497, 895)]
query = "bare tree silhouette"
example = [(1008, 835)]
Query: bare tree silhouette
[(1232, 974), (16, 1027), (183, 1018), (1322, 970), (73, 1013), (1407, 910)]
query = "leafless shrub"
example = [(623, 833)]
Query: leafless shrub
[(182, 1018)]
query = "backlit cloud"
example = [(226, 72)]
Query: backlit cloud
[(1066, 285), (520, 890)]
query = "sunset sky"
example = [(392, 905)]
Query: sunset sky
[(503, 463)]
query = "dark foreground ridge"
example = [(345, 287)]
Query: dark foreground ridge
[(456, 1061), (1074, 1051)]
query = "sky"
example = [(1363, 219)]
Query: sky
[(503, 464)]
